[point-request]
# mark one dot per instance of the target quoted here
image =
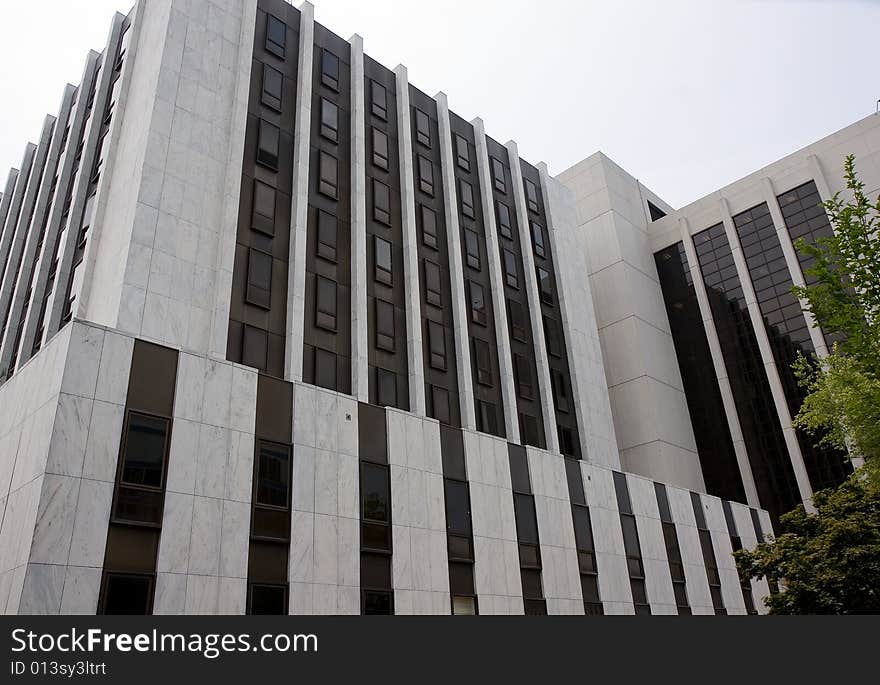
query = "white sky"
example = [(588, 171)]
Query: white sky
[(687, 95)]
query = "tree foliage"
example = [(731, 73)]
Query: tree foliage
[(827, 562)]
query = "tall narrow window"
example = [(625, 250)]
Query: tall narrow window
[(273, 475), (329, 69), (381, 202), (466, 193), (384, 325), (511, 272), (380, 149), (327, 229), (538, 240), (523, 372), (267, 145), (462, 153), (483, 362), (673, 551), (532, 196), (487, 417), (433, 292), (472, 248), (325, 303), (386, 388), (259, 282), (263, 214), (254, 347), (325, 369), (144, 455), (439, 407), (273, 81), (328, 182), (375, 507), (382, 256), (553, 337), (708, 555), (378, 100), (423, 129), (478, 303), (505, 226), (266, 599), (426, 176), (517, 317), (498, 175), (329, 120), (126, 594), (437, 345), (429, 226), (276, 36), (545, 286), (559, 385), (631, 545)]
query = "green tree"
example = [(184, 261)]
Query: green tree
[(843, 404), (827, 562)]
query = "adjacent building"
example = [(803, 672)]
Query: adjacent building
[(282, 333)]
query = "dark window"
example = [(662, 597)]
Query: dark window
[(472, 248), (517, 318), (426, 176), (263, 215), (498, 175), (259, 280), (531, 196), (560, 390), (382, 256), (523, 372), (325, 369), (529, 430), (327, 227), (145, 446), (329, 120), (458, 507), (127, 594), (329, 69), (462, 153), (538, 240), (375, 493), (439, 404), (328, 181), (655, 211), (276, 36), (583, 530), (487, 419), (267, 600), (378, 602), (478, 303), (325, 303), (621, 490), (273, 475), (386, 388), (437, 345), (505, 225), (384, 325), (378, 100), (423, 129), (553, 337), (267, 146), (545, 286), (273, 81), (511, 272), (483, 362), (254, 347), (567, 444), (466, 193), (381, 202), (433, 293), (429, 226), (380, 149)]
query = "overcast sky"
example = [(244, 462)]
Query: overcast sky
[(687, 95)]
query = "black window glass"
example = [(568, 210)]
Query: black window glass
[(276, 36), (375, 493), (378, 100), (267, 600), (259, 283), (325, 303), (145, 444), (329, 69), (439, 404), (329, 120), (466, 193), (583, 531), (487, 417), (462, 153), (327, 227), (498, 176), (383, 260), (384, 325), (560, 390), (622, 492), (472, 248), (523, 372), (423, 129), (426, 176), (437, 345), (381, 202), (458, 507), (538, 240), (254, 347), (511, 272), (386, 388), (263, 217), (483, 362), (380, 149), (545, 285), (273, 82), (378, 603), (127, 594), (517, 316), (553, 337), (526, 522), (630, 536), (531, 196), (505, 225), (273, 474), (429, 226), (329, 178), (433, 294), (267, 146), (478, 303)]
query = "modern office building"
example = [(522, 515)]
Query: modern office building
[(282, 333)]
